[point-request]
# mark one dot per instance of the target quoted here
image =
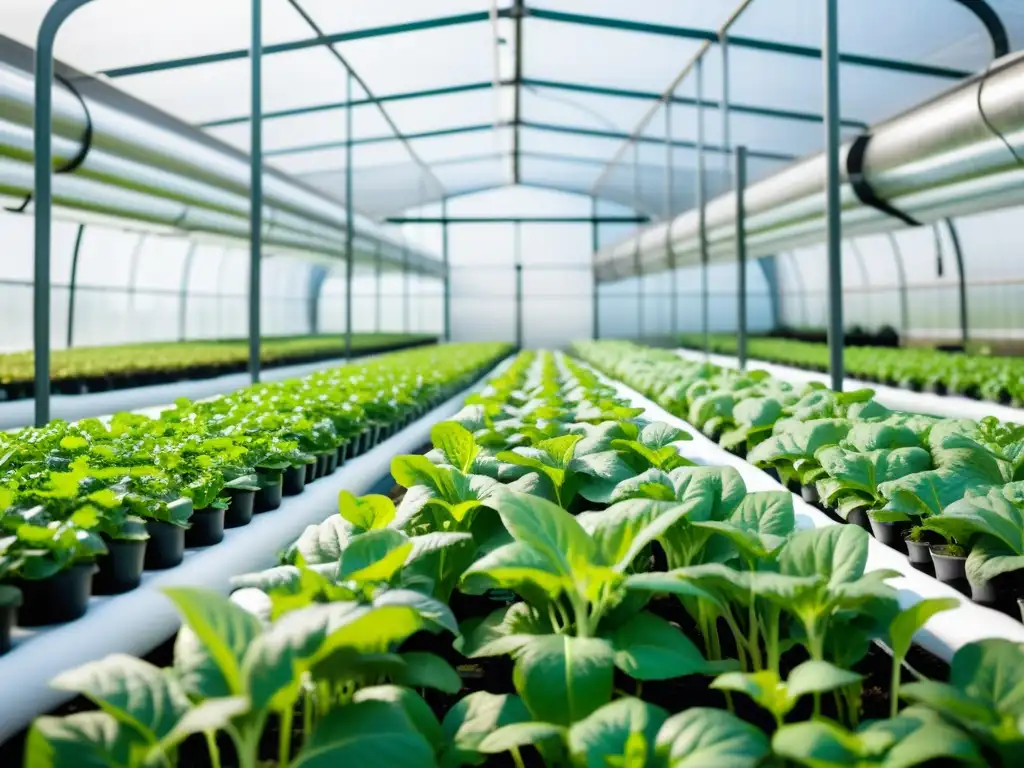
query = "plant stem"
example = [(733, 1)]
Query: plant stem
[(894, 686), (737, 635), (772, 637), (211, 746), (518, 758), (753, 641), (284, 737)]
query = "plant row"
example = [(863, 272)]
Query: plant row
[(999, 379), (86, 507), (97, 369), (946, 492), (553, 584)]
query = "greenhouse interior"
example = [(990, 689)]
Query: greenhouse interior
[(511, 383)]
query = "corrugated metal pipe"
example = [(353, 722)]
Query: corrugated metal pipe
[(116, 156), (962, 152)]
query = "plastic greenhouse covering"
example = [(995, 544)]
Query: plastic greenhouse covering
[(458, 97)]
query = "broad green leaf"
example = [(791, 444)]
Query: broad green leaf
[(614, 731), (720, 489), (81, 740), (623, 530), (799, 440), (710, 738), (562, 679), (503, 631), (472, 719), (866, 471), (435, 614), (649, 648), (518, 735), (366, 513), (515, 566), (208, 716), (601, 473), (992, 514), (548, 529), (989, 558), (818, 677), (374, 556), (131, 690), (907, 623), (457, 444), (209, 649), (426, 670), (322, 543), (667, 584), (650, 484), (274, 663), (821, 744), (366, 733), (764, 687), (865, 436), (416, 709), (992, 671), (838, 552)]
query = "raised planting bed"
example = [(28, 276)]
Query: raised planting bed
[(557, 585), (897, 398), (994, 379), (943, 482), (140, 619), (146, 392)]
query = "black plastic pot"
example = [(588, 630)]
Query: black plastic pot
[(950, 569), (270, 494), (10, 600), (166, 545), (207, 528), (294, 480), (332, 463), (120, 570), (773, 473), (241, 503), (891, 534), (1001, 592), (859, 516), (56, 599), (1020, 607), (313, 471)]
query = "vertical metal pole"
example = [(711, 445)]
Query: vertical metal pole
[(901, 277), (834, 223), (447, 306), (379, 276), (595, 241), (43, 194), (702, 234), (72, 286), (186, 274), (636, 253), (517, 255), (673, 298), (954, 236), (741, 255), (349, 218), (405, 287), (723, 44), (255, 189)]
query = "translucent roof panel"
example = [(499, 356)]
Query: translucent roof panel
[(447, 78)]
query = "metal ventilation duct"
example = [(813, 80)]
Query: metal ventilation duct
[(960, 153), (139, 164)]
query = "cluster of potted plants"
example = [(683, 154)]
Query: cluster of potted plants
[(981, 377), (85, 508), (945, 492), (80, 370), (556, 585)]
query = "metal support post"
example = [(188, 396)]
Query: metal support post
[(954, 236), (723, 44), (702, 234), (256, 189), (673, 298), (349, 218), (638, 268), (379, 278), (834, 212), (901, 278), (447, 304), (73, 285), (406, 310), (43, 195), (595, 242), (186, 275), (741, 254), (517, 245)]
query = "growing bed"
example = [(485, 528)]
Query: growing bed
[(558, 583)]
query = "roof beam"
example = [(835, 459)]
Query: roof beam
[(625, 93), (574, 130), (298, 45), (771, 46), (332, 105), (517, 220), (517, 110)]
